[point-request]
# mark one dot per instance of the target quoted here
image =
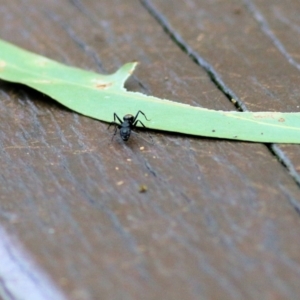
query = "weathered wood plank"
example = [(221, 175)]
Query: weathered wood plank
[(216, 220), (233, 37), (280, 23)]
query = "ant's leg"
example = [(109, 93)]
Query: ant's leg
[(116, 128), (116, 117), (140, 112), (134, 126), (113, 123), (135, 123)]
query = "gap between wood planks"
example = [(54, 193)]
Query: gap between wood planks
[(216, 78), (258, 16)]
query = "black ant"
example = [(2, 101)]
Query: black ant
[(129, 123)]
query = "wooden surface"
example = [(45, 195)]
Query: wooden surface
[(219, 219)]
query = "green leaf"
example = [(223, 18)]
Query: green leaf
[(99, 96)]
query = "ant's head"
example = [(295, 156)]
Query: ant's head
[(129, 118)]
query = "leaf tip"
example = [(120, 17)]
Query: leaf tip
[(125, 72), (129, 67)]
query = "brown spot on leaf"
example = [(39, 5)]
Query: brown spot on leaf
[(264, 115), (2, 64), (281, 120), (103, 86)]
